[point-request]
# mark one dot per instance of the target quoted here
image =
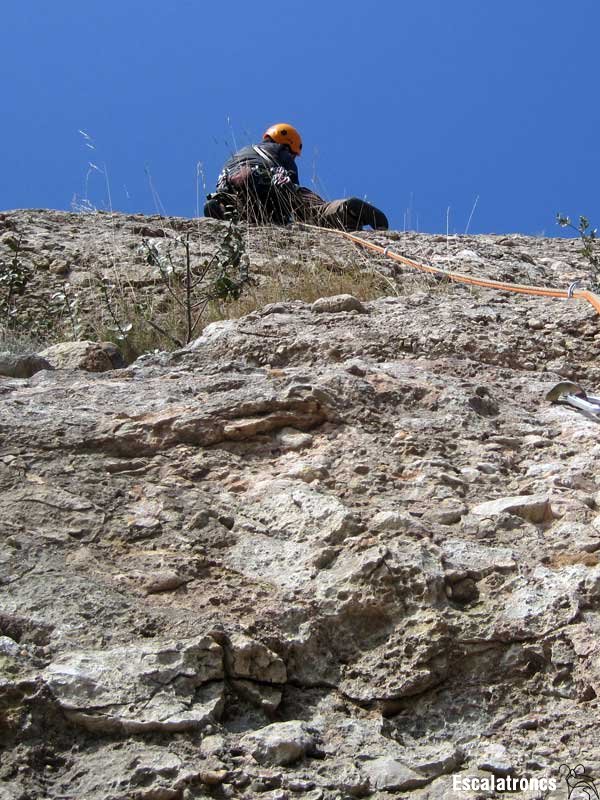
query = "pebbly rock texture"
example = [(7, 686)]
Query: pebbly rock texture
[(318, 555)]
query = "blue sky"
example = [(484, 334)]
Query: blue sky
[(420, 106)]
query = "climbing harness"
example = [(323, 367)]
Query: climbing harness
[(540, 291)]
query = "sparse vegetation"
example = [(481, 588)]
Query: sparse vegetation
[(22, 327), (14, 342), (590, 251), (65, 306), (158, 288), (173, 312), (15, 274), (188, 294), (313, 281)]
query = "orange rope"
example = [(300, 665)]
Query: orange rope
[(457, 277)]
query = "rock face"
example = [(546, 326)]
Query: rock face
[(134, 689), (319, 553)]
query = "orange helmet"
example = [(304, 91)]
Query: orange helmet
[(282, 133)]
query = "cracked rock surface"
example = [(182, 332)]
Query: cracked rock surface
[(327, 551)]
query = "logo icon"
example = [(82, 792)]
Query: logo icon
[(579, 783)]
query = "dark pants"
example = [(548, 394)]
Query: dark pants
[(348, 214)]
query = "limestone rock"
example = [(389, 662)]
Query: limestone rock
[(252, 407), (435, 759), (390, 775), (396, 521), (247, 658), (306, 472), (546, 599), (533, 508), (266, 698), (471, 559), (468, 255), (165, 581), (279, 744), (295, 483), (85, 355), (143, 771), (495, 759), (212, 745), (302, 519), (168, 687), (293, 439), (446, 513), (413, 659), (337, 303), (8, 646)]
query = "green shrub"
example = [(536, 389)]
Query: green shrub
[(590, 250), (172, 312)]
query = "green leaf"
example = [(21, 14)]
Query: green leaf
[(226, 289)]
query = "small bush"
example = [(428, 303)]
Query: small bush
[(590, 252), (15, 274), (173, 311)]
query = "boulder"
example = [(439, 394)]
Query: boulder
[(337, 303), (279, 744), (533, 508), (147, 686), (390, 775), (84, 355)]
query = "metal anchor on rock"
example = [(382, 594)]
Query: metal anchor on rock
[(572, 394)]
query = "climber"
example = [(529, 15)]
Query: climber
[(260, 183)]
